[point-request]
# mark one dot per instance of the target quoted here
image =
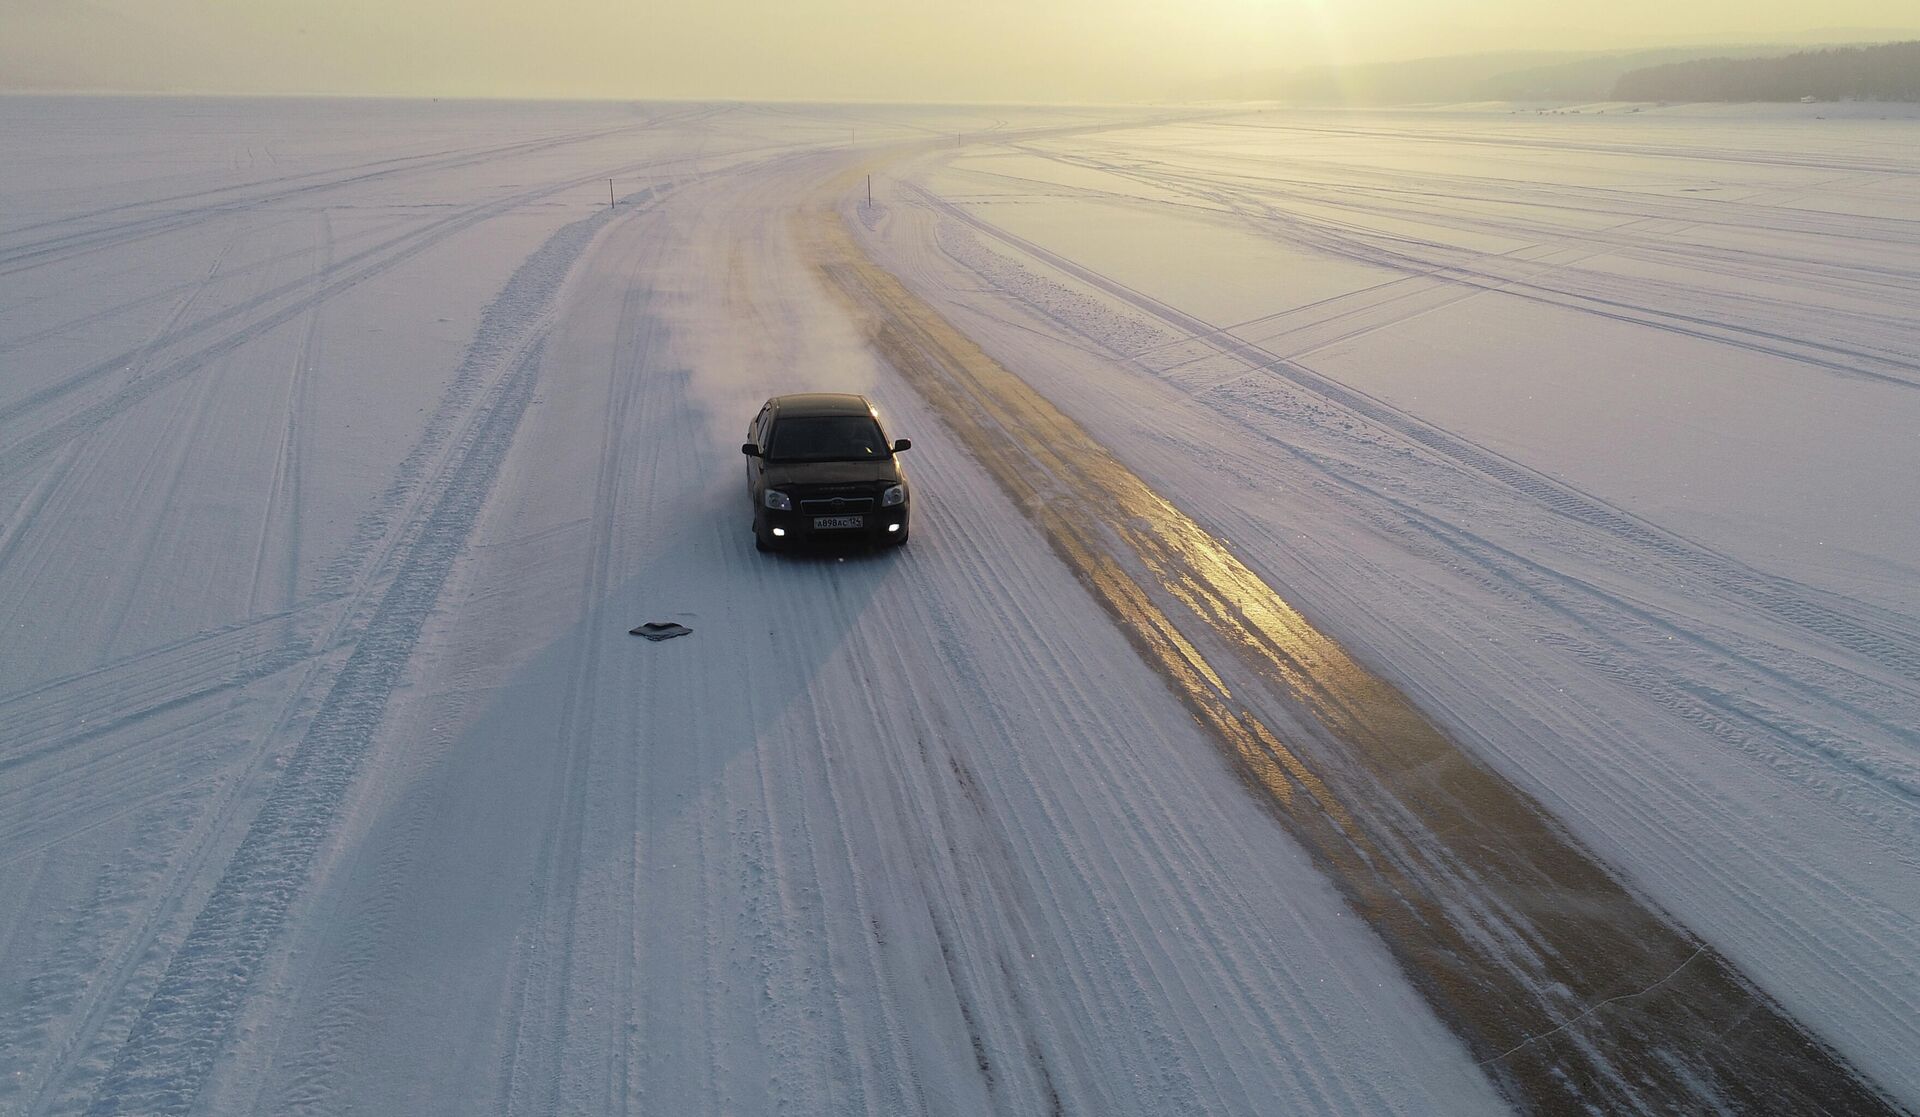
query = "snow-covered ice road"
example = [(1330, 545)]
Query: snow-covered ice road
[(340, 445)]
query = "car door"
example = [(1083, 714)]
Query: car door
[(757, 434)]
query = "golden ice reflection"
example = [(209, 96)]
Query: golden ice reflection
[(1508, 927)]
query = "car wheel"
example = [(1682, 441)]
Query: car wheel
[(899, 540)]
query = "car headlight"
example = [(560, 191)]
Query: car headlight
[(778, 501), (896, 494)]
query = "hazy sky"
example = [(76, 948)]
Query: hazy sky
[(816, 49)]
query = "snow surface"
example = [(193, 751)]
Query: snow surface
[(342, 443), (1607, 458)]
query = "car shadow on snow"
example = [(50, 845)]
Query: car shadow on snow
[(596, 756)]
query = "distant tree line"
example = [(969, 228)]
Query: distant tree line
[(1890, 72)]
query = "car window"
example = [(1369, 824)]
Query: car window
[(826, 438)]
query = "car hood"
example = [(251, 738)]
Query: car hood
[(807, 474)]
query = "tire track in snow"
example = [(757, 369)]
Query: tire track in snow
[(357, 268), (536, 1052), (1183, 868), (1379, 192), (1874, 711), (87, 321), (358, 172), (1445, 859), (1815, 681), (159, 485), (1689, 154), (172, 1045), (325, 285), (1471, 270), (510, 324), (1789, 603), (362, 172), (212, 662), (31, 254), (125, 972), (70, 712), (52, 480), (286, 488), (26, 255), (31, 506), (351, 270)]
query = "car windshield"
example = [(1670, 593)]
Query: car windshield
[(826, 438)]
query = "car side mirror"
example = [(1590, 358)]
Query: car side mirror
[(903, 444), (749, 449)]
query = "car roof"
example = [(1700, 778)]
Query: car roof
[(821, 403)]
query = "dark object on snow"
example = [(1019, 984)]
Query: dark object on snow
[(820, 469), (658, 630)]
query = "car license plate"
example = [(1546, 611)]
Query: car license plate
[(823, 523)]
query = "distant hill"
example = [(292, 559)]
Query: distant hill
[(1593, 77), (1450, 78), (1565, 76), (1890, 72)]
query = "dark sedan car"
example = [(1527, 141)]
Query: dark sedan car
[(820, 469)]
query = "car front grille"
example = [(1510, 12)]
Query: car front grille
[(835, 506)]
